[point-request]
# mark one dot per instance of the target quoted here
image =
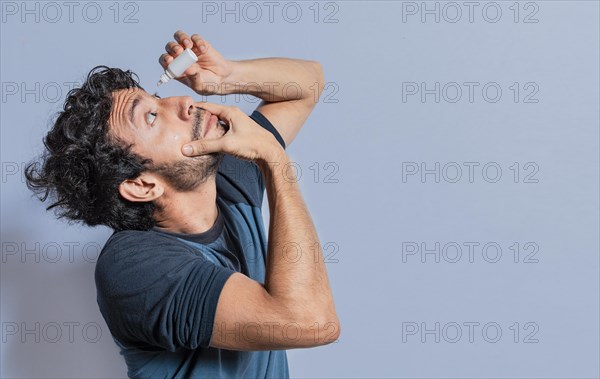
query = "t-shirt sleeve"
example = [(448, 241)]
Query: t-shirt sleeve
[(155, 291), (261, 120), (241, 181)]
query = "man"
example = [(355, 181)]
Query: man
[(187, 283)]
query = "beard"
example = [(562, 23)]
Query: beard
[(187, 174)]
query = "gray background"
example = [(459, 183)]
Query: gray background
[(400, 316)]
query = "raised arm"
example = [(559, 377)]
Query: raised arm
[(294, 307), (289, 88)]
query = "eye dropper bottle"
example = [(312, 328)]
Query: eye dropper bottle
[(184, 61)]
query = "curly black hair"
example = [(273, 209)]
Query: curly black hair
[(83, 164)]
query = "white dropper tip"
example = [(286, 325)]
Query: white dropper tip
[(163, 79)]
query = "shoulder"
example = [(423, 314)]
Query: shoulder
[(137, 244), (134, 258)]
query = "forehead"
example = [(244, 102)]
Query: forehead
[(119, 121)]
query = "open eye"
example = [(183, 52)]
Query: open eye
[(150, 117)]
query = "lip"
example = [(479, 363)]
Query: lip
[(211, 122)]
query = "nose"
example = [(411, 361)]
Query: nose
[(186, 107)]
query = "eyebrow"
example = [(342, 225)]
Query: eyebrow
[(136, 102)]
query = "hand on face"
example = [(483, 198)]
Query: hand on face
[(245, 139)]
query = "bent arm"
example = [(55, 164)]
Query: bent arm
[(294, 308)]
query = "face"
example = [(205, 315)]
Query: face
[(158, 128)]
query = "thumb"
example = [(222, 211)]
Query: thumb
[(201, 147)]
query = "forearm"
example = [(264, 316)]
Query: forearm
[(296, 273), (275, 79)]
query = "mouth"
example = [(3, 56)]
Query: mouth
[(213, 122)]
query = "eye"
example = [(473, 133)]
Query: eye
[(150, 117)]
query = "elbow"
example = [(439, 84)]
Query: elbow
[(333, 332), (315, 322), (317, 69), (318, 329), (329, 330)]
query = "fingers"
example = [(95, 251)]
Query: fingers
[(200, 43), (196, 42), (165, 59), (182, 39), (221, 144), (173, 48), (203, 146), (223, 112), (216, 109)]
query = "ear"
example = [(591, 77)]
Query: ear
[(144, 188)]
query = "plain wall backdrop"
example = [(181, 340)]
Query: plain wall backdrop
[(451, 168)]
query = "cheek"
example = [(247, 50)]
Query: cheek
[(174, 136), (171, 145), (166, 146)]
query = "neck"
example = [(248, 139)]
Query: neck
[(189, 212)]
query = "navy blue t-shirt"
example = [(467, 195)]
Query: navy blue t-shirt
[(158, 291)]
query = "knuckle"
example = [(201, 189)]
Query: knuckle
[(202, 147), (196, 148)]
